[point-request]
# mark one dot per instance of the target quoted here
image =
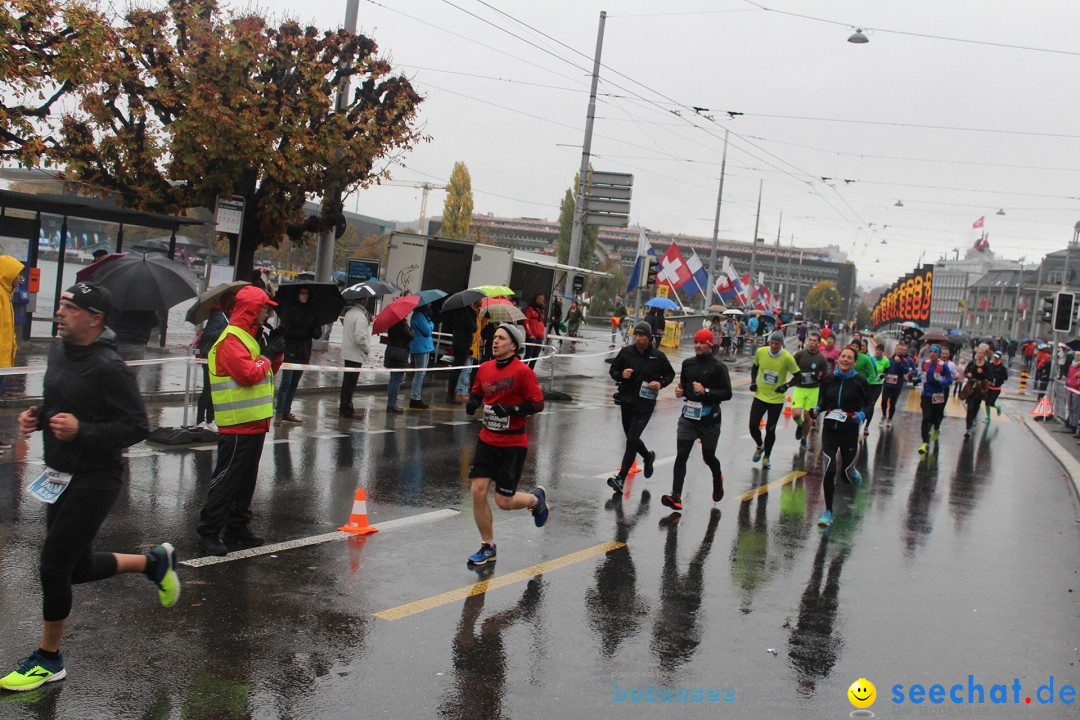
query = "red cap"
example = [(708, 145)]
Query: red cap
[(704, 336)]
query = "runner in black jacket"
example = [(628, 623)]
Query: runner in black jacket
[(704, 384), (843, 395), (641, 371), (90, 412)]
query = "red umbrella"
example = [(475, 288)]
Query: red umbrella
[(394, 313), (87, 273), (495, 301)]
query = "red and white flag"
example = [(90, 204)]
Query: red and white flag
[(673, 270), (978, 223)]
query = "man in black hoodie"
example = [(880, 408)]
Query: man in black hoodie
[(641, 371), (704, 383), (90, 412)]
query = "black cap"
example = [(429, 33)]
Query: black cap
[(643, 328), (90, 297)]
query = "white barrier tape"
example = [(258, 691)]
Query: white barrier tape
[(32, 369)]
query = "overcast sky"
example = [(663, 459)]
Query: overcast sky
[(955, 129)]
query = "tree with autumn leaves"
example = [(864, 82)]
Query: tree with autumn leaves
[(458, 208), (190, 102)]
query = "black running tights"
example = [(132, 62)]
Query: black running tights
[(67, 556)]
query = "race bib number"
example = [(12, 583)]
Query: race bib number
[(493, 422), (692, 410), (838, 415), (647, 392), (808, 378), (49, 485), (892, 379), (937, 398), (938, 377), (771, 377)]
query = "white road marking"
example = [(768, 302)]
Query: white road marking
[(659, 461), (317, 539)]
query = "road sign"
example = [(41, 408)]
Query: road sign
[(662, 291), (358, 271), (607, 220), (230, 216), (611, 178)]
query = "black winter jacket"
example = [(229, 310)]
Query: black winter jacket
[(647, 366), (298, 322), (92, 383), (705, 369), (848, 394)]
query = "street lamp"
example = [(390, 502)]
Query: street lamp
[(858, 37)]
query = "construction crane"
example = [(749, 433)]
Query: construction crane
[(426, 187)]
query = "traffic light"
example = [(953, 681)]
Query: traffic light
[(1063, 312), (1047, 309), (651, 268)]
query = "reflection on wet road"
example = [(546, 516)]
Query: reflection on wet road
[(936, 569)]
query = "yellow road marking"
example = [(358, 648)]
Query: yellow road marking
[(403, 611), (790, 477)]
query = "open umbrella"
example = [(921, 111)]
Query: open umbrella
[(662, 302), (487, 302), (146, 283), (369, 289), (463, 299), (1074, 344), (716, 308), (200, 309), (394, 313), (733, 312), (325, 298), (494, 290), (500, 313), (960, 333), (935, 337), (429, 296), (87, 273)]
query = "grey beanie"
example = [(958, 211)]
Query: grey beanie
[(643, 328), (517, 335), (776, 336)]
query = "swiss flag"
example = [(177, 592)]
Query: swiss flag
[(673, 270), (978, 223)]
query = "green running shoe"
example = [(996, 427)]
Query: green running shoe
[(165, 577), (923, 448), (934, 435), (33, 672)]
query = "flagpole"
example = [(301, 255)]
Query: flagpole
[(716, 226)]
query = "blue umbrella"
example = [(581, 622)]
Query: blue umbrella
[(429, 296), (663, 303), (961, 333)]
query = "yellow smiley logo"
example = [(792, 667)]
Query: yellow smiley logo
[(862, 693)]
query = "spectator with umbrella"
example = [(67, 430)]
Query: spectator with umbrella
[(299, 325), (355, 346), (463, 329), (392, 321), (420, 348)]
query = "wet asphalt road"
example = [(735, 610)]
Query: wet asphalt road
[(965, 564)]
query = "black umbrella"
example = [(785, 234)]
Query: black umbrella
[(1074, 344), (146, 283), (462, 299), (369, 289), (325, 298)]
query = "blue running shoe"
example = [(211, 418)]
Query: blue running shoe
[(483, 556), (798, 431), (826, 519), (757, 454), (856, 478), (540, 512), (802, 445), (33, 672), (766, 463)]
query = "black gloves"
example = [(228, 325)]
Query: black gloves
[(472, 405), (785, 387), (275, 344), (753, 387), (502, 410)]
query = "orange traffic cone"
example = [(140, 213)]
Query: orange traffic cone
[(358, 523), (762, 426), (633, 468), (787, 407), (1044, 408)]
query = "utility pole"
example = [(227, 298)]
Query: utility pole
[(586, 147), (716, 226), (753, 246), (1016, 310), (324, 250), (1034, 306)]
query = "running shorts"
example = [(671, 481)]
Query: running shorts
[(501, 464), (805, 398)]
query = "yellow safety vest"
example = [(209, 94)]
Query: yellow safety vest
[(235, 404)]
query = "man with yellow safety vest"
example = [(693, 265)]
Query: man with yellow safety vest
[(242, 388)]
